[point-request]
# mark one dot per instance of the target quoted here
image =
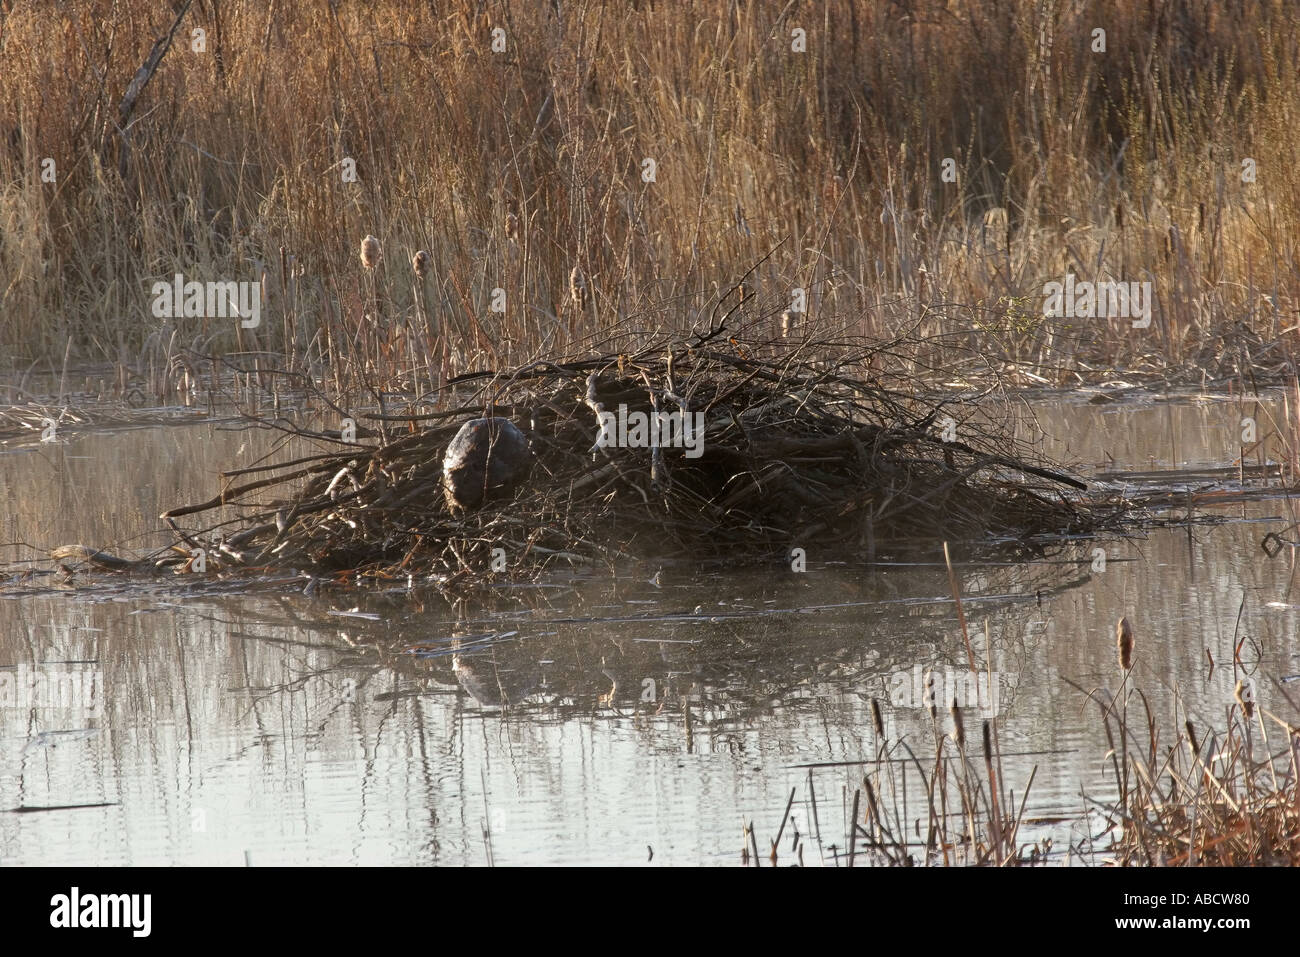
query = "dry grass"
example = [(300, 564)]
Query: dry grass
[(968, 816), (522, 171), (1216, 799)]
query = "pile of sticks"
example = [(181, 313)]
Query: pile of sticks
[(810, 448)]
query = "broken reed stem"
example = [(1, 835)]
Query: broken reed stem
[(785, 817), (853, 827)]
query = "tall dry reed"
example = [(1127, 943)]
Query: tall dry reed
[(657, 151)]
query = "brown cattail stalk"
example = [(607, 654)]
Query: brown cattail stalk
[(421, 262), (959, 729)]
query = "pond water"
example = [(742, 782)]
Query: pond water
[(642, 720)]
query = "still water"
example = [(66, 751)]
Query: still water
[(635, 721)]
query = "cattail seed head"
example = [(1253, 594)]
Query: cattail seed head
[(787, 324), (512, 226), (929, 694), (1245, 695), (958, 728), (1124, 641), (420, 262), (370, 252), (577, 286), (877, 719)]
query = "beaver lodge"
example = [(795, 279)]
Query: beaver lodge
[(705, 450)]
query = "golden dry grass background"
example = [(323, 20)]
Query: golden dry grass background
[(518, 169)]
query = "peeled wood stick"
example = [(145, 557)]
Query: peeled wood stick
[(597, 407), (84, 553)]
